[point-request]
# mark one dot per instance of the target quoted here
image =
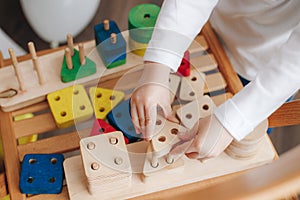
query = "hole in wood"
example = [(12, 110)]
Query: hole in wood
[(162, 139), (174, 131), (51, 180), (53, 161), (194, 78), (118, 115), (112, 97), (30, 179), (147, 16), (75, 92), (32, 161), (205, 107), (192, 94), (63, 114), (99, 95), (82, 107), (102, 109), (57, 98), (189, 116), (158, 122)]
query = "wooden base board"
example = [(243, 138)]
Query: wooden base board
[(193, 171), (50, 65)]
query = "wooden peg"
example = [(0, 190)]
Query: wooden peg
[(70, 43), (113, 38), (31, 49), (1, 60), (37, 66), (81, 54), (68, 58), (106, 24), (15, 66)]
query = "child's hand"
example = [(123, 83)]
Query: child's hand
[(152, 92), (207, 139)]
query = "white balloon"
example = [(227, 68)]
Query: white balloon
[(52, 20)]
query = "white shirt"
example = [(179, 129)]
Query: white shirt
[(261, 38)]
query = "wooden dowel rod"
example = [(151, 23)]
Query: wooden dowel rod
[(1, 60), (15, 66), (68, 58), (70, 43), (81, 54), (106, 24), (113, 38), (32, 49), (37, 66)]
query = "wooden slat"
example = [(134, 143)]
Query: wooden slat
[(62, 196), (11, 156), (214, 82), (56, 144), (30, 109), (277, 180), (3, 190), (288, 114), (36, 125), (219, 99), (233, 82)]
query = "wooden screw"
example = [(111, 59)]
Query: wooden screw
[(37, 66), (31, 49), (113, 38), (15, 66), (91, 146), (95, 166), (70, 43), (154, 161), (118, 160), (1, 60), (106, 24), (68, 58), (81, 54), (113, 140), (170, 159)]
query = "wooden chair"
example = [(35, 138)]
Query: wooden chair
[(69, 141)]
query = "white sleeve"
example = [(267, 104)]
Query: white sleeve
[(268, 91), (177, 25)]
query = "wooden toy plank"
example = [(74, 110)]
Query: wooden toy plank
[(191, 87), (194, 171), (62, 196), (198, 46), (56, 144), (204, 63), (219, 99), (50, 64), (191, 112), (176, 166), (42, 123), (31, 109), (214, 82), (174, 82)]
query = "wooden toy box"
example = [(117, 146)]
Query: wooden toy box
[(68, 140)]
